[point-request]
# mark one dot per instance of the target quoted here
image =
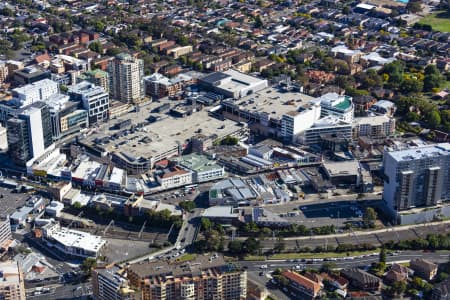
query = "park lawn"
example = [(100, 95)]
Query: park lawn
[(254, 258), (439, 21), (186, 257), (320, 255)]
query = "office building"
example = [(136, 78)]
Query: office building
[(205, 277), (37, 91), (30, 133), (11, 281), (337, 105), (30, 75), (126, 78), (65, 115), (417, 176), (93, 98), (110, 283)]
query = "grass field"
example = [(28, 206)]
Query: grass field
[(186, 257), (439, 21)]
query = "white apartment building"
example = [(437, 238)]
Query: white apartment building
[(126, 78), (295, 122), (327, 126), (374, 126), (37, 91), (93, 98), (416, 176)]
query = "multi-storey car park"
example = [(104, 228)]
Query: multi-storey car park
[(138, 146)]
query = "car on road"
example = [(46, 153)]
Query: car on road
[(261, 273), (263, 267)]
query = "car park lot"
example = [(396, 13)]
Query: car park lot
[(321, 214), (10, 201)]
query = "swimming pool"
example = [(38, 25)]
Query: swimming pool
[(402, 1)]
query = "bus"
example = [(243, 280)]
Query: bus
[(190, 187)]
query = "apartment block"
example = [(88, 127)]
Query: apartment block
[(110, 283), (11, 281), (126, 78), (158, 85), (206, 277), (374, 127), (417, 176)]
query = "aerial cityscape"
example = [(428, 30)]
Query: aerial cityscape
[(224, 149)]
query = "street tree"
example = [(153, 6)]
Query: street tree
[(369, 217)]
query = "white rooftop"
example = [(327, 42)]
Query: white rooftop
[(220, 211), (87, 169), (415, 153), (365, 6), (10, 273), (77, 239), (329, 121), (372, 120), (116, 175)]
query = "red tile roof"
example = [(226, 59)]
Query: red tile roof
[(302, 280)]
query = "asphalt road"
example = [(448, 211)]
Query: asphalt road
[(68, 291), (189, 232)]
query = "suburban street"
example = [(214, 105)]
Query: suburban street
[(254, 267)]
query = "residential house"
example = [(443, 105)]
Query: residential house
[(441, 291), (396, 273), (423, 268), (362, 280), (302, 286), (363, 103)]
